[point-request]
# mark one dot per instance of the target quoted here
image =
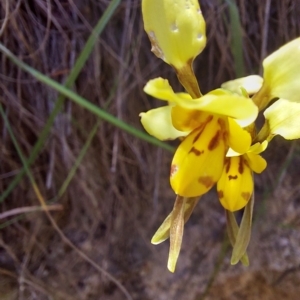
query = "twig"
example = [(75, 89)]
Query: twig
[(28, 209)]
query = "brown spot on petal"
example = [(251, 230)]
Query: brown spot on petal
[(246, 196), (207, 181), (227, 164), (214, 142), (208, 119), (246, 162), (222, 123), (241, 165), (232, 177), (201, 128), (196, 151), (220, 194), (173, 171)]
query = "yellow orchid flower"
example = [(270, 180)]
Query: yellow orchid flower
[(235, 185), (210, 124)]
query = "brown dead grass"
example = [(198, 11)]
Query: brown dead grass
[(121, 193)]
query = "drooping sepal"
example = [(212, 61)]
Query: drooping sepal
[(244, 233), (163, 232), (232, 231)]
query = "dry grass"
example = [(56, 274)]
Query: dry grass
[(120, 192)]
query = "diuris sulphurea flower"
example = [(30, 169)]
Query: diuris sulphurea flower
[(209, 125), (217, 131)]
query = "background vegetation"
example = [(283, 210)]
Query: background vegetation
[(107, 188)]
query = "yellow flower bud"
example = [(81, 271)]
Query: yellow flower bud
[(176, 30)]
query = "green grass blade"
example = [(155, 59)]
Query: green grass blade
[(85, 103), (89, 46), (78, 160), (236, 38)]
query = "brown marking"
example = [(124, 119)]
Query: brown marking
[(220, 194), (208, 119), (196, 151), (241, 165), (173, 171), (202, 127), (214, 142), (207, 181), (232, 177), (246, 162), (225, 136), (227, 164), (222, 123), (246, 196)]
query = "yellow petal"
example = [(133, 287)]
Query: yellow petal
[(256, 162), (258, 147), (187, 119), (198, 161), (239, 139), (176, 29), (219, 101), (161, 89), (283, 118), (242, 109), (251, 84), (158, 122), (254, 149), (236, 183), (281, 75)]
